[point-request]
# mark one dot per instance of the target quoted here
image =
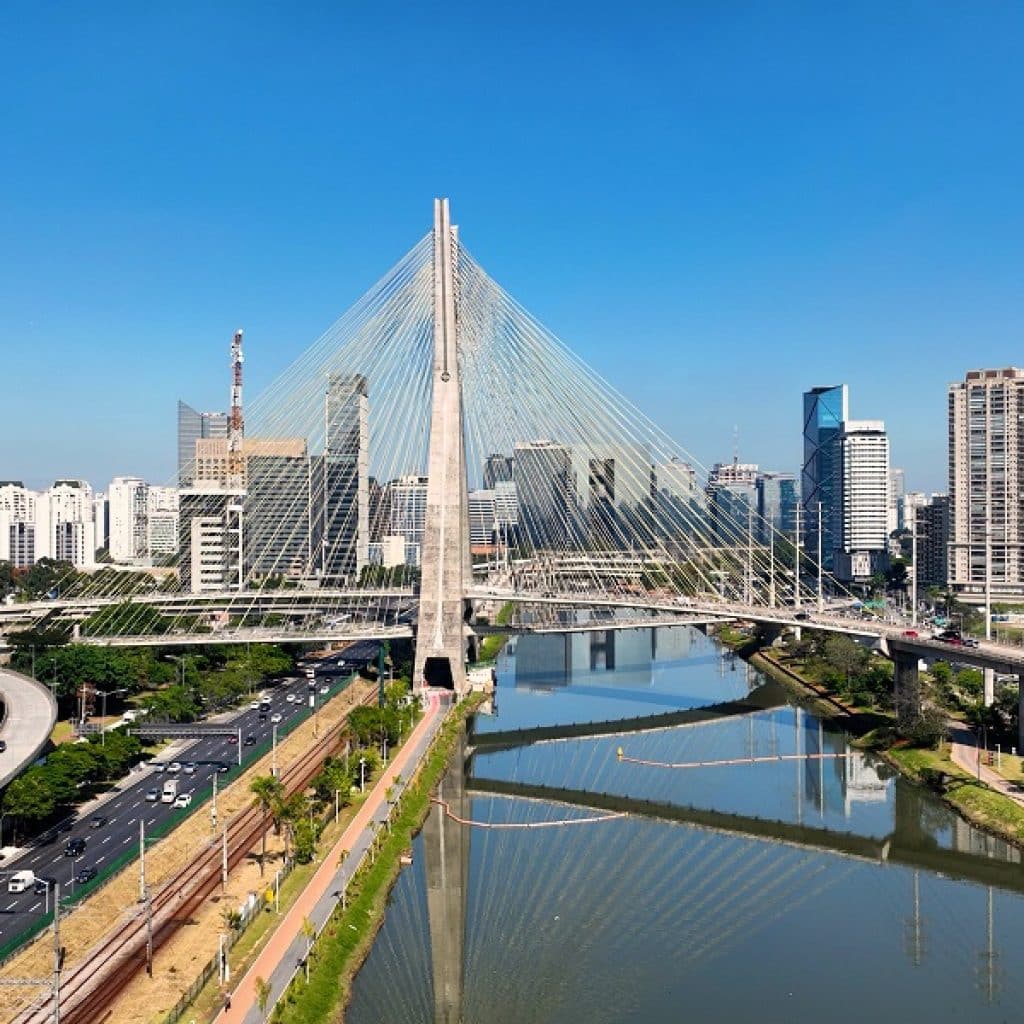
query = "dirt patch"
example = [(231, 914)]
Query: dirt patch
[(118, 900)]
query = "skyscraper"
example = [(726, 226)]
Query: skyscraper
[(932, 525), (341, 488), (192, 426), (777, 499), (496, 467), (825, 410), (861, 494), (276, 509), (128, 497), (986, 484), (546, 486), (732, 500)]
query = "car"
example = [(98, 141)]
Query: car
[(263, 716), (182, 800), (40, 886), (98, 821), (74, 847), (970, 641), (275, 717), (189, 767), (325, 689), (158, 766), (912, 633), (221, 767), (85, 875), (254, 706), (802, 616), (291, 698), (173, 768), (265, 702), (232, 737), (152, 795), (250, 740)]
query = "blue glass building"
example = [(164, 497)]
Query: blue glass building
[(825, 409)]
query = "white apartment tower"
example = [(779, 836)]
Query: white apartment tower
[(986, 486), (65, 529), (861, 487), (17, 524), (128, 497)]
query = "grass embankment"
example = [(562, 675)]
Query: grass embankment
[(346, 940), (876, 729), (491, 646), (979, 804)]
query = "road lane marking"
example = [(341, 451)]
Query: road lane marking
[(107, 840), (35, 906)]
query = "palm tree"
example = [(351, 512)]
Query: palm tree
[(269, 793)]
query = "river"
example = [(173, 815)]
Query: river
[(773, 888)]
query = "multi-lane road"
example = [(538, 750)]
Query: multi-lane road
[(111, 828)]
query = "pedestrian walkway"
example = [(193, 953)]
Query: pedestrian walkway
[(280, 958), (964, 753)]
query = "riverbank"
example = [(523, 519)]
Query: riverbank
[(976, 802), (348, 936)]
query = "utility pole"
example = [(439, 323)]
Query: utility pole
[(58, 953), (224, 860), (273, 755), (913, 572), (142, 859), (820, 595), (771, 566), (149, 933), (796, 560), (988, 556), (213, 804)]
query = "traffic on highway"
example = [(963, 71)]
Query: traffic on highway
[(81, 849)]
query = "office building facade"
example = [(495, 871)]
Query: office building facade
[(194, 426), (825, 409)]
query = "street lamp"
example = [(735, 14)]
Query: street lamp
[(103, 712), (362, 774)]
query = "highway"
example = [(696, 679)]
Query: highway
[(29, 716), (117, 833)]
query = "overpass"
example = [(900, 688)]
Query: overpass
[(30, 713)]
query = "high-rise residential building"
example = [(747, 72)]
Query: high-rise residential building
[(162, 522), (194, 426), (210, 538), (897, 488), (17, 524), (65, 530), (277, 517), (406, 500), (101, 519), (496, 467), (482, 517), (932, 525), (732, 501), (546, 485), (861, 493), (340, 485), (777, 498), (986, 484), (824, 411), (129, 508)]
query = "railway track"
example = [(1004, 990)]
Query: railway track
[(89, 988)]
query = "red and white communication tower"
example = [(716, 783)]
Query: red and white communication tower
[(236, 427)]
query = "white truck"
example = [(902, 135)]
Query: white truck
[(20, 881), (170, 791)]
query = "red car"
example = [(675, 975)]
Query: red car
[(911, 633)]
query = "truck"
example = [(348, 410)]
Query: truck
[(20, 881), (170, 791)]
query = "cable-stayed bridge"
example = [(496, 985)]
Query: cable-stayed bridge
[(435, 463)]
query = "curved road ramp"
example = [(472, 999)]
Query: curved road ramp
[(29, 715)]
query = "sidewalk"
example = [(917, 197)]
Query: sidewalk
[(963, 752), (279, 959)]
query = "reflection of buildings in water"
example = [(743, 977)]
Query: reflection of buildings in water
[(861, 782), (602, 657), (967, 839)]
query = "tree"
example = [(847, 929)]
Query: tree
[(262, 995), (268, 792), (27, 799), (845, 655)]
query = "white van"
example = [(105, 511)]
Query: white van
[(20, 881)]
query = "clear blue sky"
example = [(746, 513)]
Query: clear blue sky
[(718, 205)]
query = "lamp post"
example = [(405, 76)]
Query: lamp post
[(362, 774), (104, 694)]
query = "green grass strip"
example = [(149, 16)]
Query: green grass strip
[(349, 934)]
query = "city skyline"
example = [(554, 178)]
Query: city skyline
[(876, 244)]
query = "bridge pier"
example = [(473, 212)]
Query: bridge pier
[(989, 697), (446, 565), (907, 688), (446, 858)]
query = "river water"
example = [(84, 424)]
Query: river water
[(774, 888)]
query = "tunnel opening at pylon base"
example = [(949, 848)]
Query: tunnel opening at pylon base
[(438, 672)]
